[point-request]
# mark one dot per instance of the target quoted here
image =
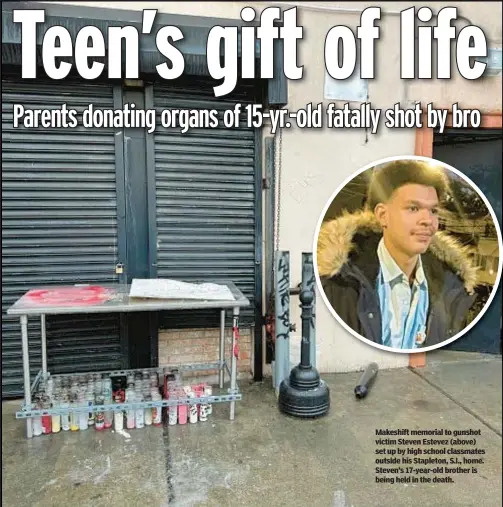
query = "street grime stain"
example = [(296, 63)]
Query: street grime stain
[(193, 478), (427, 406), (90, 470)]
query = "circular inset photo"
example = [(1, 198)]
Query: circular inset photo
[(407, 254)]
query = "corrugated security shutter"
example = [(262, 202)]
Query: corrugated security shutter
[(59, 226), (205, 197)]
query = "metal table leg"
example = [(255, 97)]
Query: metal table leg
[(26, 372), (222, 349), (234, 358), (44, 346)]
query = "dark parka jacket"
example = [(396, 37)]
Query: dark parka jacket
[(348, 267)]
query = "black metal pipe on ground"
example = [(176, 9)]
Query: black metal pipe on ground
[(366, 380)]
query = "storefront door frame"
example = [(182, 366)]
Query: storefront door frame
[(424, 147)]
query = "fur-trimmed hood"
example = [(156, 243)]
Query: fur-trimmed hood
[(335, 243)]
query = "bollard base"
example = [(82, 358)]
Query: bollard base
[(308, 402)]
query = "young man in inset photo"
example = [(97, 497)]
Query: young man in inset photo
[(387, 270)]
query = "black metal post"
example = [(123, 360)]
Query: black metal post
[(304, 394), (306, 299), (309, 283)]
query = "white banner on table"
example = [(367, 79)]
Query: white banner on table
[(163, 288)]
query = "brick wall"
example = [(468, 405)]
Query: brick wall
[(180, 346)]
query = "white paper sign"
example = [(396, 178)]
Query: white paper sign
[(163, 288), (352, 89)]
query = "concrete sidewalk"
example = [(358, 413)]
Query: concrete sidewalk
[(265, 458)]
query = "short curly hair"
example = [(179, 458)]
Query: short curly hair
[(388, 178)]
